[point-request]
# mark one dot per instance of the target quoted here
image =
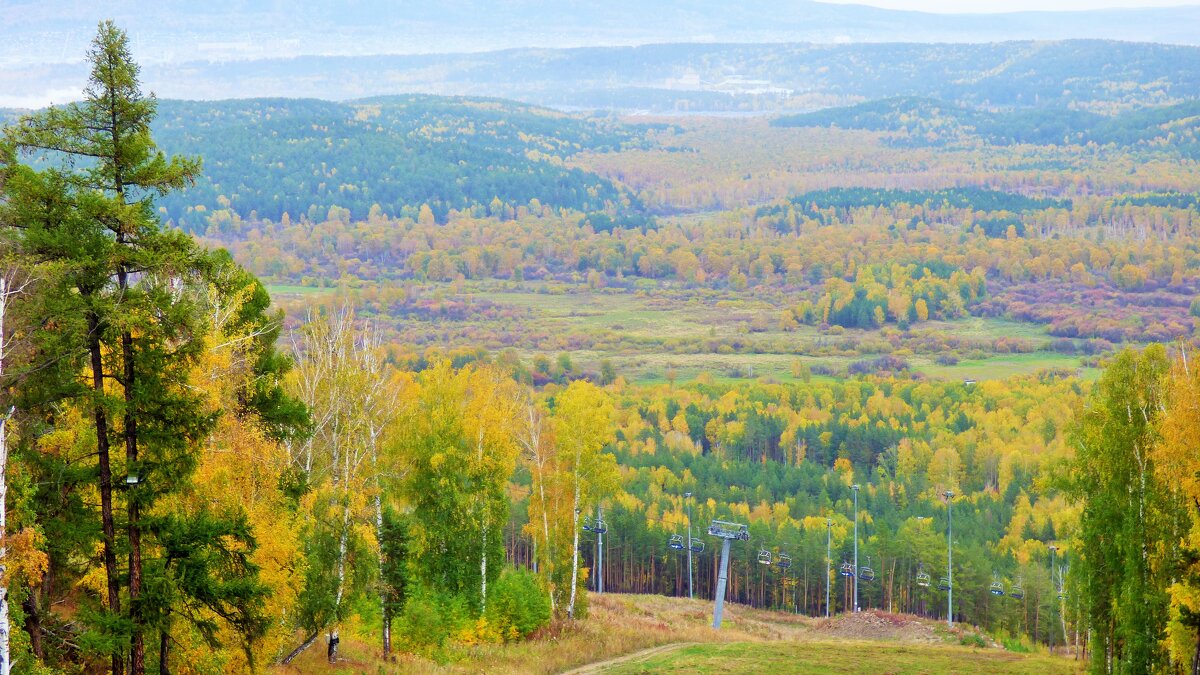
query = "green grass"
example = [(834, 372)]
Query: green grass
[(278, 290), (804, 657), (647, 333), (1002, 365)]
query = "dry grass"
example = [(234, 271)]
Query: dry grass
[(616, 625), (750, 641)]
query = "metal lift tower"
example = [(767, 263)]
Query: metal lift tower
[(727, 532)]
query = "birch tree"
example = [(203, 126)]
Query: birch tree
[(459, 432), (346, 462), (583, 427), (1177, 462), (8, 290), (1126, 514)]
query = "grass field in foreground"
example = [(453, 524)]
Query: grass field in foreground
[(620, 627), (816, 657)]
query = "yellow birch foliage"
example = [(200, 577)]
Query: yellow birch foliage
[(1177, 461)]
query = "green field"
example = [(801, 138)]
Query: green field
[(670, 332), (805, 657)]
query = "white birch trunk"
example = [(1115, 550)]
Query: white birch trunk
[(574, 552), (483, 569), (5, 628), (483, 534)]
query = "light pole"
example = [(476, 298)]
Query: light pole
[(688, 496), (1053, 591), (949, 560), (601, 528), (855, 488), (828, 561)]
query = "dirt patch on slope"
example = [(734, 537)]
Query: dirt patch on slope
[(877, 625)]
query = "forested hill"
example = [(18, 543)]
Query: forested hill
[(302, 157), (930, 121)]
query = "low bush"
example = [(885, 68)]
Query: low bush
[(517, 605)]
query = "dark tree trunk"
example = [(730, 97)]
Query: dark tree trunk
[(137, 652), (102, 454), (164, 652), (33, 625), (332, 650), (1196, 655)]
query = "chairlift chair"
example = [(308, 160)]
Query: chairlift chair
[(996, 588), (676, 542), (866, 573), (1017, 591), (587, 523), (943, 584), (764, 556), (922, 577), (697, 546), (784, 562), (600, 527), (847, 570)]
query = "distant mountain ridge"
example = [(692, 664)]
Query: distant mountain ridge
[(179, 30), (1103, 76)]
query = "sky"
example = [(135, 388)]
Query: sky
[(972, 6)]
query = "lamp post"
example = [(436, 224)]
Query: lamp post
[(855, 488), (688, 496), (949, 559), (1053, 591), (828, 561), (601, 528)]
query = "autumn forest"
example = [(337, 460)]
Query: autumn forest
[(429, 376)]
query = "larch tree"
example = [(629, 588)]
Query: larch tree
[(126, 305)]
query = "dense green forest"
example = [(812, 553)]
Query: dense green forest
[(268, 157), (926, 121)]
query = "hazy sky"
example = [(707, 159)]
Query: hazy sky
[(1009, 5)]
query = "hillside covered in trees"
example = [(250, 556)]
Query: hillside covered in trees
[(924, 121), (302, 157), (279, 373)]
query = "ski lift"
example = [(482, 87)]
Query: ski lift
[(1017, 592), (587, 523), (600, 527), (784, 562), (676, 542), (943, 584), (847, 569), (996, 588), (922, 576), (764, 556), (697, 546), (866, 573), (727, 530)]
